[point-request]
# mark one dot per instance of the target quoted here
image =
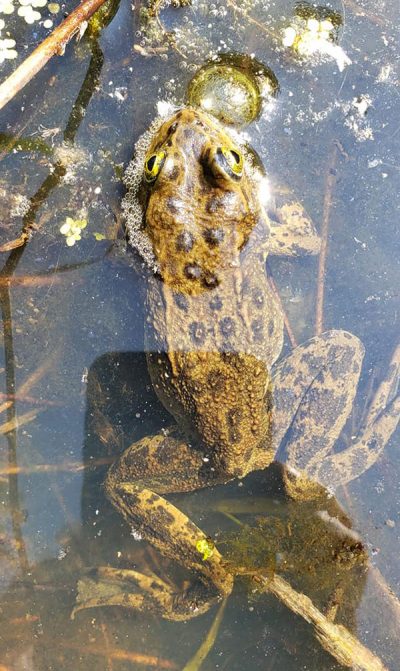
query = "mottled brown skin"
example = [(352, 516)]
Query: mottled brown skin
[(213, 333)]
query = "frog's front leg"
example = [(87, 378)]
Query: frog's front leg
[(147, 469), (292, 232)]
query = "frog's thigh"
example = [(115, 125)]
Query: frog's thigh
[(164, 464), (380, 423), (313, 393)]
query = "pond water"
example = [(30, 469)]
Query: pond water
[(75, 390)]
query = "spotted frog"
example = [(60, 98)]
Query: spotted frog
[(214, 332)]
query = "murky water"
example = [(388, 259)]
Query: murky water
[(75, 389)]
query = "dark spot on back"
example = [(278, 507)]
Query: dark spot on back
[(216, 303), (258, 298), (213, 236), (227, 327), (170, 205), (184, 241), (210, 280), (257, 327), (181, 301), (193, 271), (197, 332)]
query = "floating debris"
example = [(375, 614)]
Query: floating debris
[(7, 50), (27, 11), (314, 30), (72, 230), (6, 7)]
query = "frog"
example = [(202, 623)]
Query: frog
[(214, 335)]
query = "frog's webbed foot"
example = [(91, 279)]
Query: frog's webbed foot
[(380, 423), (126, 588), (163, 463), (292, 232)]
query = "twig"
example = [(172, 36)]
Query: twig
[(118, 653), (17, 421), (286, 321), (55, 43), (68, 466), (28, 280), (107, 647), (334, 638), (239, 10), (29, 399), (196, 661), (329, 186)]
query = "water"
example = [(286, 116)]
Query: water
[(72, 350)]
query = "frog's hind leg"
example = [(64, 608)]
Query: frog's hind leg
[(135, 484), (313, 393), (380, 423)]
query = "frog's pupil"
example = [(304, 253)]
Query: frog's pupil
[(235, 156), (151, 162)]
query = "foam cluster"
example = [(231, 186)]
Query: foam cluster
[(131, 207)]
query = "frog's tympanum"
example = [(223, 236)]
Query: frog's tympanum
[(214, 332)]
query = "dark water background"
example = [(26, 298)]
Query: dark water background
[(72, 344)]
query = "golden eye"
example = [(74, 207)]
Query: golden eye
[(228, 161), (153, 165), (234, 160)]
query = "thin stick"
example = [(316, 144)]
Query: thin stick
[(329, 186), (239, 10), (197, 660), (107, 647), (120, 654), (286, 321), (17, 421), (55, 43), (29, 280), (28, 399), (68, 466), (334, 638)]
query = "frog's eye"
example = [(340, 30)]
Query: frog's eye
[(153, 165), (229, 161)]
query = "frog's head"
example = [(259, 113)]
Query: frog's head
[(200, 202)]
